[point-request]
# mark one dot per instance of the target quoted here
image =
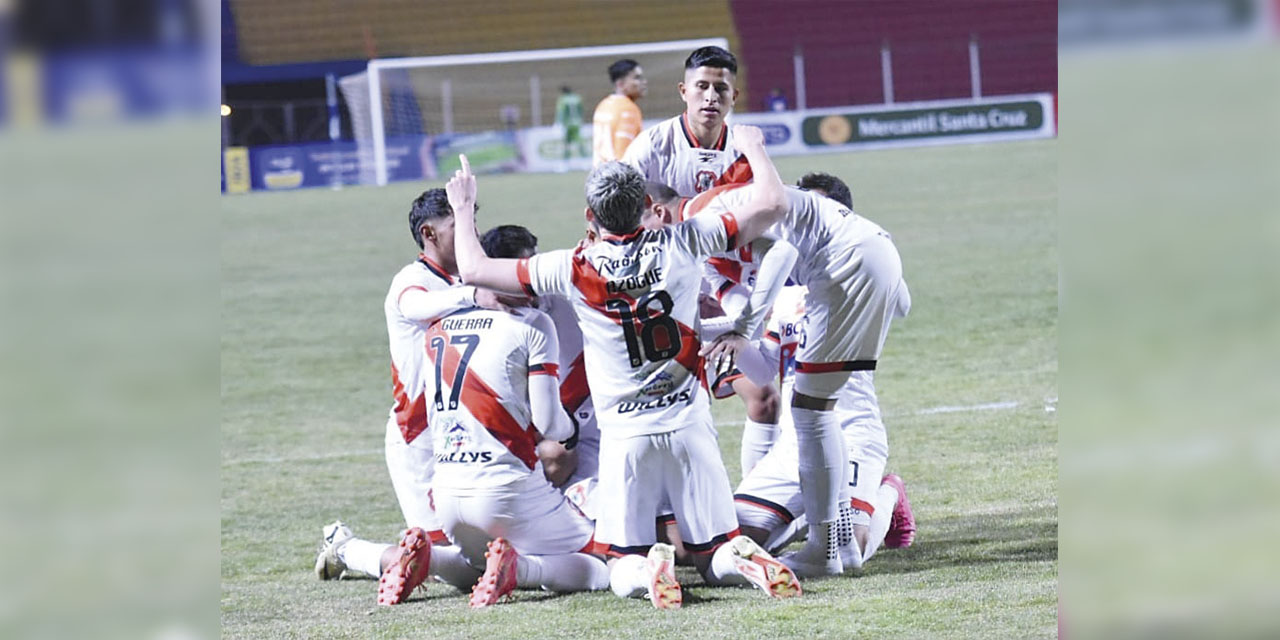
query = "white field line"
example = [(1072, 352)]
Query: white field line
[(357, 453)]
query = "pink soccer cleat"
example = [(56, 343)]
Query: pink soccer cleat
[(409, 570), (499, 577), (664, 590), (902, 528)]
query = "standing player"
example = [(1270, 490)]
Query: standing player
[(636, 295), (693, 152), (422, 292), (617, 119), (855, 286), (569, 118), (496, 381)]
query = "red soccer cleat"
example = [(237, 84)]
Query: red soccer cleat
[(902, 528), (409, 570), (664, 590), (499, 577)]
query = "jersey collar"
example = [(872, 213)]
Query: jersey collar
[(623, 239), (693, 140), (435, 268)]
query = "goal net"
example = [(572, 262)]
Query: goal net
[(497, 107)]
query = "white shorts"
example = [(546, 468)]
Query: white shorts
[(531, 514), (411, 467), (847, 319), (638, 475), (769, 496)]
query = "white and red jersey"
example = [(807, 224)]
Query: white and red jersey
[(737, 267), (405, 334), (575, 393), (636, 298), (669, 153), (824, 231), (482, 428)]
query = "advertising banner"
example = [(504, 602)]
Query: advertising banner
[(317, 164)]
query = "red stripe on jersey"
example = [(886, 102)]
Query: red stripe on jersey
[(435, 268), (724, 288), (483, 403), (573, 389), (522, 274), (744, 252), (545, 369), (437, 536), (727, 267), (865, 506), (693, 206), (738, 173), (730, 229), (828, 367), (407, 290), (411, 415)]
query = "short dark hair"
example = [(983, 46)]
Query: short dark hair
[(834, 187), (508, 241), (432, 205), (660, 192), (615, 193), (621, 68), (711, 57)]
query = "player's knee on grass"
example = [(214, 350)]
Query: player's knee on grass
[(558, 463), (763, 402)]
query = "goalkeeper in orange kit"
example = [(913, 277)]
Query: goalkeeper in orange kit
[(617, 118)]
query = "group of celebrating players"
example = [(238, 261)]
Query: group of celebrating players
[(552, 426)]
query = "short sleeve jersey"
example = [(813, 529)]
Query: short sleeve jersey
[(615, 124), (669, 153), (408, 382), (737, 267), (636, 299), (481, 425)]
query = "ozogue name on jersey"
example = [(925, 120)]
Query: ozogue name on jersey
[(465, 456), (607, 266), (465, 324), (665, 401), (635, 282)]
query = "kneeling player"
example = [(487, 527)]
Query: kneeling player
[(496, 395)]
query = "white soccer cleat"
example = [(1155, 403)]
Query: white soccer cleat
[(762, 570), (328, 565), (664, 590), (816, 559)]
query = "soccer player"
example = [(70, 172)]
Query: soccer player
[(694, 152), (855, 287), (636, 296), (563, 467), (422, 292), (825, 184), (569, 118), (496, 395), (617, 119)]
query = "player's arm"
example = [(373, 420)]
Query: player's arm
[(420, 305), (779, 258), (625, 129), (548, 414), (768, 199), (474, 266)]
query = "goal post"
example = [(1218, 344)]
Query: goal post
[(475, 93)]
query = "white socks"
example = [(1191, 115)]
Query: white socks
[(563, 573), (757, 439), (451, 567), (629, 576), (886, 500), (723, 570), (363, 556), (823, 459)]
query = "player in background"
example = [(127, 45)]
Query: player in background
[(694, 152), (617, 120), (563, 467), (569, 119), (636, 296), (422, 292), (855, 287), (497, 394)]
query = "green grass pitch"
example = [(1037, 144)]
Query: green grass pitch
[(964, 382)]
